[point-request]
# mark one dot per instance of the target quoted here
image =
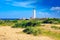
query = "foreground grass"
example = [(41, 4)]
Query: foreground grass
[(37, 31), (54, 35)]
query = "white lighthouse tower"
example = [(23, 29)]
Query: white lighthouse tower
[(34, 13)]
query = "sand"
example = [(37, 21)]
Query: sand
[(8, 33)]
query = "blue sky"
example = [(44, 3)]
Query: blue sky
[(24, 8)]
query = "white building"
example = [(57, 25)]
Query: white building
[(34, 13)]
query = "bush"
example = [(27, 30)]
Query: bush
[(47, 21), (32, 30), (26, 23)]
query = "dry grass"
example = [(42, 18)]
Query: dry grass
[(48, 27)]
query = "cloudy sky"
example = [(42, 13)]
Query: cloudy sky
[(24, 8)]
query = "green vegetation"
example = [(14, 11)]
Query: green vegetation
[(32, 30), (31, 22), (52, 34), (51, 21), (55, 27), (33, 26), (7, 22), (27, 23)]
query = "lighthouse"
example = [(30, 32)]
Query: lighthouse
[(34, 13)]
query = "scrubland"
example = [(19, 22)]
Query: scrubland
[(32, 29)]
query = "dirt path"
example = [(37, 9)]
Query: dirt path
[(8, 33)]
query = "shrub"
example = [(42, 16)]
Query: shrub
[(47, 21), (26, 23), (32, 30)]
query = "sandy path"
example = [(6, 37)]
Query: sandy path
[(48, 27), (8, 33)]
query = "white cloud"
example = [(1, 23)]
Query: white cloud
[(26, 4), (44, 14), (48, 15), (22, 4), (55, 8)]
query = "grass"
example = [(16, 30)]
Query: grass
[(54, 35), (40, 31), (55, 27), (31, 26)]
